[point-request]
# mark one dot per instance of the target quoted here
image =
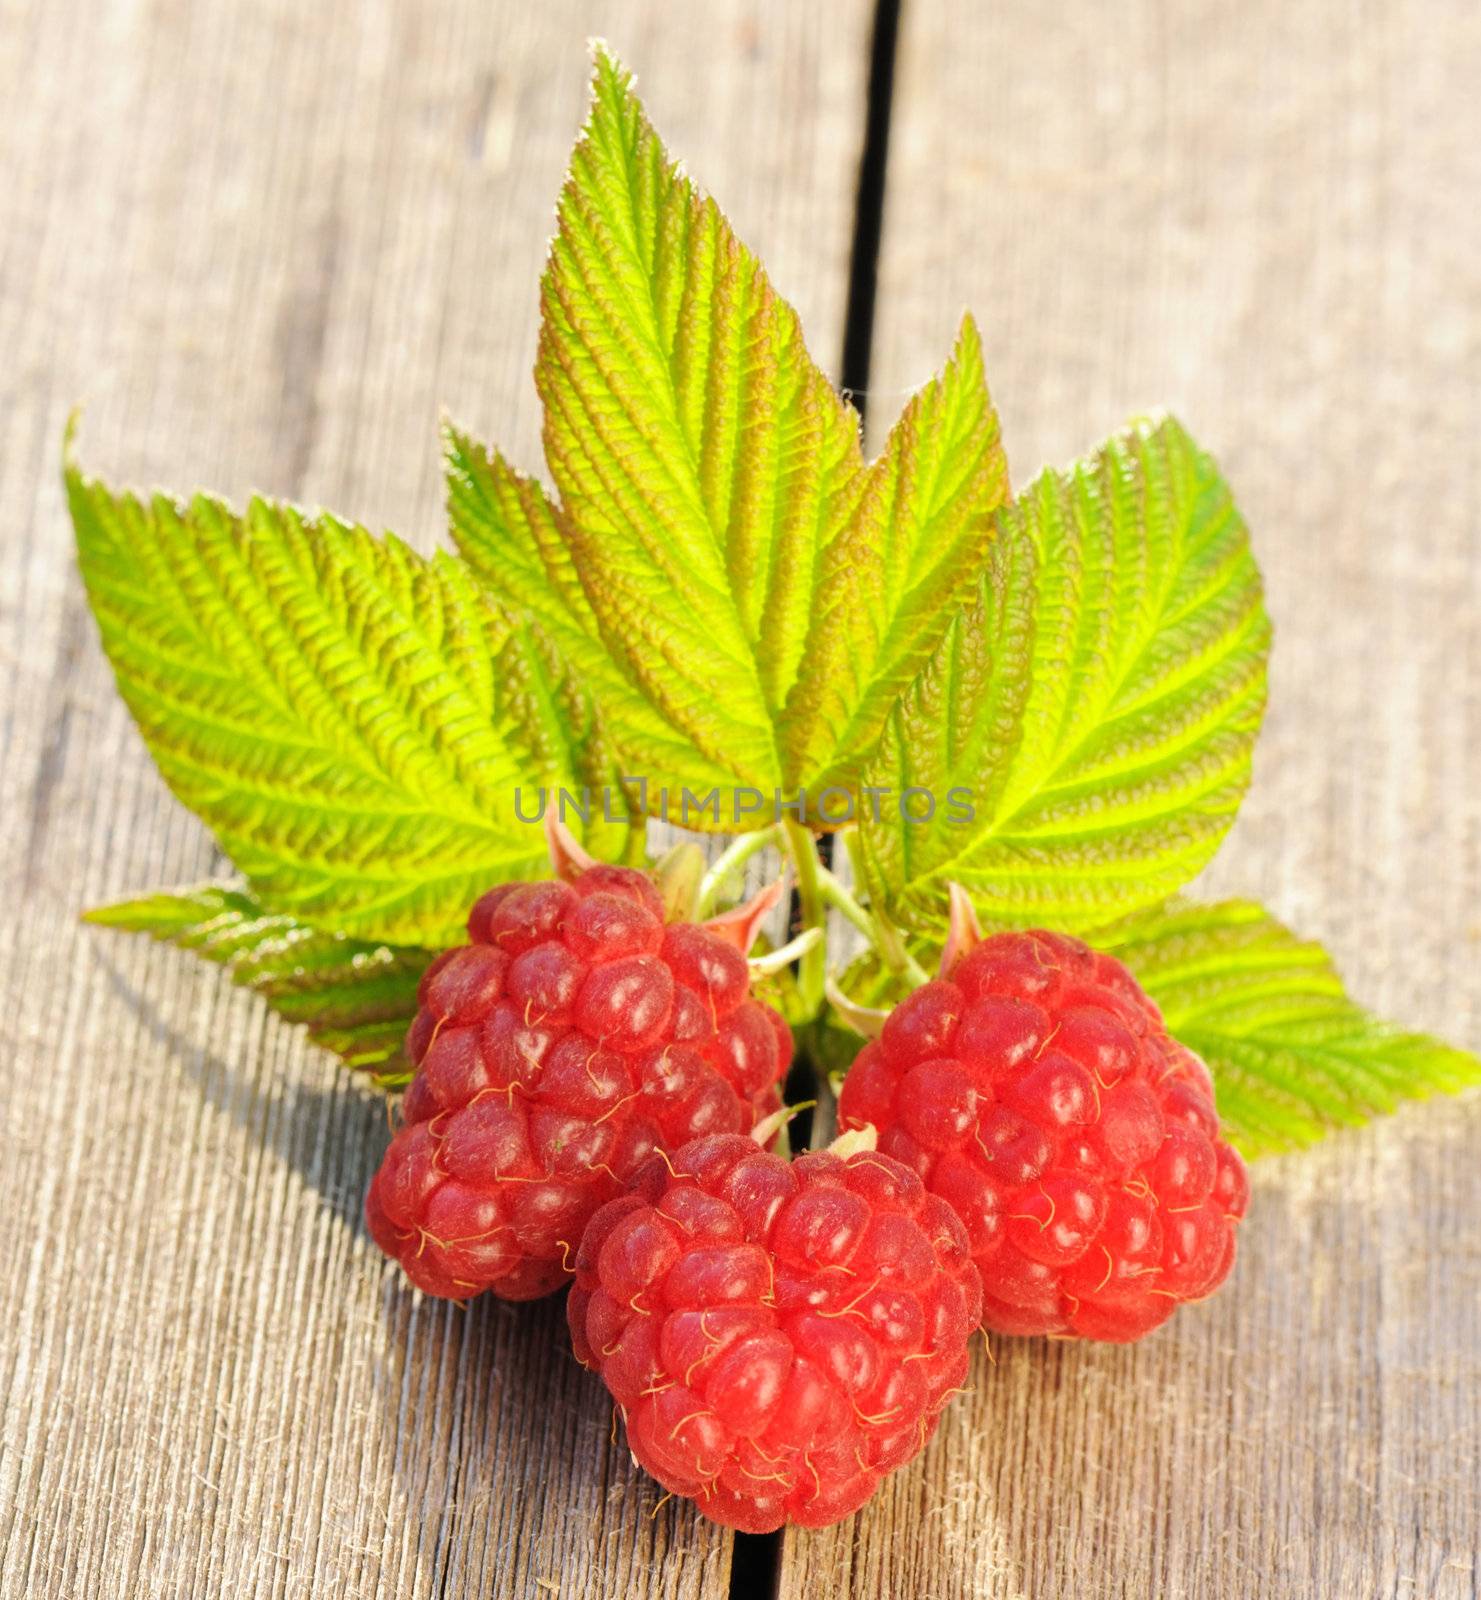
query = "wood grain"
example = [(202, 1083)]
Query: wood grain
[(264, 242), (1264, 216)]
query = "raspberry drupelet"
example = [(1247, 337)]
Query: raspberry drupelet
[(777, 1335), (1036, 1089), (573, 1035)]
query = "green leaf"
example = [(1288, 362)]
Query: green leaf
[(909, 558), (702, 459), (1292, 1055), (352, 720), (763, 595), (1094, 708), (355, 997), (507, 531)]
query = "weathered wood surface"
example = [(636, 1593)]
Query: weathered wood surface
[(264, 243), (1264, 216)]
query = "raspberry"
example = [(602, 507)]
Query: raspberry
[(777, 1335), (572, 1036), (1038, 1091)]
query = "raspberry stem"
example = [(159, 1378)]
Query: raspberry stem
[(843, 902), (785, 955), (894, 952), (886, 939), (733, 856), (880, 933), (812, 969)]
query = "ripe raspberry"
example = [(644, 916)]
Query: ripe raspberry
[(778, 1335), (571, 1037), (1038, 1091)]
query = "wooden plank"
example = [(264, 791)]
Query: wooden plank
[(1264, 216), (265, 242)]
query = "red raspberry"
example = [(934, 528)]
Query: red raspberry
[(1038, 1091), (570, 1038), (778, 1335)]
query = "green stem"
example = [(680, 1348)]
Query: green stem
[(734, 855), (894, 952), (843, 902), (812, 970), (880, 933)]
